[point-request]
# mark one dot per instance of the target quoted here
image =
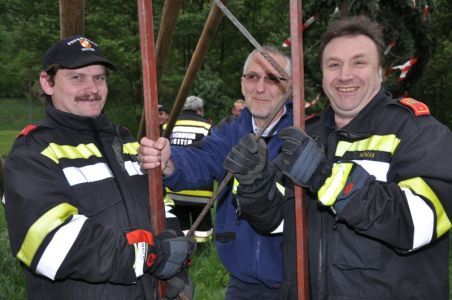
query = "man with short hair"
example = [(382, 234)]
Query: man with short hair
[(237, 107), (376, 171), (253, 259), (76, 201)]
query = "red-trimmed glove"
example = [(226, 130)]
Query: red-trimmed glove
[(163, 256)]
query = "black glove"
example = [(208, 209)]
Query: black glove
[(179, 287), (162, 256), (247, 159), (301, 159)]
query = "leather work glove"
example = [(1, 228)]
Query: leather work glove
[(301, 159), (163, 256), (247, 159), (179, 287)]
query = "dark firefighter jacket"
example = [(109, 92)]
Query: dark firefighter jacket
[(189, 129), (389, 240), (246, 254), (73, 187)]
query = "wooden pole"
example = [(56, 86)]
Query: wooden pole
[(207, 35), (71, 17), (166, 31), (298, 100), (157, 212)]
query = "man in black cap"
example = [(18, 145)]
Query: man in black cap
[(75, 197)]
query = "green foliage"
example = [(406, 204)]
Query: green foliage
[(27, 29)]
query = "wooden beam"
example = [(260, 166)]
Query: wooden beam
[(299, 112), (71, 17), (166, 31), (157, 212), (207, 35)]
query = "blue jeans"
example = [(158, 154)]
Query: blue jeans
[(239, 290)]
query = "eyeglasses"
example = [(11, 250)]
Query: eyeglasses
[(269, 79)]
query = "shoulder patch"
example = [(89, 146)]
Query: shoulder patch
[(27, 130), (419, 108)]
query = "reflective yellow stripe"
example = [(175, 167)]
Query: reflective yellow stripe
[(41, 228), (130, 148), (191, 123), (420, 187), (334, 184), (55, 151), (384, 143), (167, 201), (235, 185), (197, 193)]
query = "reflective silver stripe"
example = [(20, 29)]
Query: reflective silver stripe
[(198, 130), (423, 219), (379, 169), (58, 248), (4, 199), (90, 173), (140, 258), (132, 168), (278, 229), (168, 214), (188, 199)]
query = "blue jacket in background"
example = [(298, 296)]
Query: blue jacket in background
[(246, 254)]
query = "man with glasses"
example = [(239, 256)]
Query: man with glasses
[(254, 260)]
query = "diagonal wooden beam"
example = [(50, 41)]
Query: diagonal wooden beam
[(206, 38)]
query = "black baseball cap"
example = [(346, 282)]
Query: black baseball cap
[(75, 52)]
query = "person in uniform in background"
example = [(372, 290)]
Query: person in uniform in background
[(190, 128), (237, 107), (377, 171), (76, 201), (163, 116)]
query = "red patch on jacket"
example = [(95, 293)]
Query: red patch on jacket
[(419, 108), (348, 189), (27, 129)]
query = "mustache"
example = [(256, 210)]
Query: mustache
[(88, 97)]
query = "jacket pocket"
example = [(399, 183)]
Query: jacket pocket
[(350, 250), (95, 197)]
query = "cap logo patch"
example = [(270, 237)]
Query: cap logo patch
[(86, 44)]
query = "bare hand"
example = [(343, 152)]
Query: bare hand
[(153, 154)]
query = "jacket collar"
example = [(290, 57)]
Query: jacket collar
[(365, 121), (64, 119)]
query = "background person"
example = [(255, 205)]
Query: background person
[(76, 202), (190, 128), (163, 116), (374, 169), (237, 107), (254, 260)]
